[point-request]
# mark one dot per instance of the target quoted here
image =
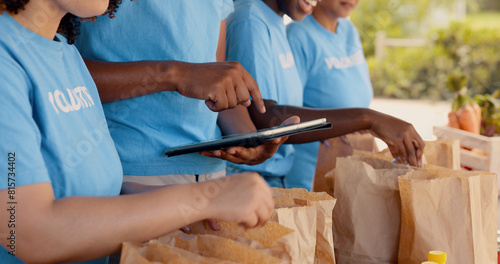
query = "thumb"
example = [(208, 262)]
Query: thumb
[(289, 121)]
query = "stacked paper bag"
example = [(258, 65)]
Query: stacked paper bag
[(299, 232), (391, 213)]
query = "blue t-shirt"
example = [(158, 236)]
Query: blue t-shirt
[(52, 125), (256, 37), (144, 126), (333, 70)]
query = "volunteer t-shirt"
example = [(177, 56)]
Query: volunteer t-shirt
[(143, 127), (52, 125), (334, 73), (256, 37)]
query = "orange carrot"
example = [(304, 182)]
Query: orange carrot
[(468, 119), (453, 120), (477, 111)]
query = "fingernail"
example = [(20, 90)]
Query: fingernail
[(217, 153), (231, 151), (263, 109)]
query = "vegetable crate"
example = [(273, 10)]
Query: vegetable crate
[(484, 153)]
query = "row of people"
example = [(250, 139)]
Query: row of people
[(153, 66)]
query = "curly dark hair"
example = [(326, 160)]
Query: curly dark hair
[(70, 24)]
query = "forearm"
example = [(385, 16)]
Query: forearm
[(124, 80), (344, 121), (83, 228), (236, 120)]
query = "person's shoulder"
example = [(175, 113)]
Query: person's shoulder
[(14, 78), (246, 11), (8, 31), (10, 49), (299, 31), (297, 27)]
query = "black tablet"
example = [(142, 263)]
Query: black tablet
[(250, 139)]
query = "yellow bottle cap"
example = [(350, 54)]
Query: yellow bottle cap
[(437, 256), (429, 262)]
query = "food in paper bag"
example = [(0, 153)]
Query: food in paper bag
[(265, 235), (367, 216), (451, 210), (232, 243), (281, 241), (153, 253), (237, 250), (323, 204)]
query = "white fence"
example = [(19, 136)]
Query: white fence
[(381, 42)]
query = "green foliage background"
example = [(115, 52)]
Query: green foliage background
[(420, 73)]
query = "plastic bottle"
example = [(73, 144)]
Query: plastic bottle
[(437, 256)]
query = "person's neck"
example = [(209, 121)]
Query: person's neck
[(41, 17), (273, 4), (328, 21)]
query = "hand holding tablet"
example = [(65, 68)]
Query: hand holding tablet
[(250, 139)]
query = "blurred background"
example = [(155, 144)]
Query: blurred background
[(412, 46)]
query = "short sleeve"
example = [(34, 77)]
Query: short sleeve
[(227, 8), (296, 38), (21, 160), (249, 43)]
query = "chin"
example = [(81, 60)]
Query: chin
[(95, 11), (87, 8)]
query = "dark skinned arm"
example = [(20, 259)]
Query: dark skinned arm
[(222, 84), (237, 120), (402, 139)]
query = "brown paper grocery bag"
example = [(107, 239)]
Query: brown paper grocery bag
[(443, 152), (323, 203), (450, 210), (367, 216), (331, 149), (300, 216)]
